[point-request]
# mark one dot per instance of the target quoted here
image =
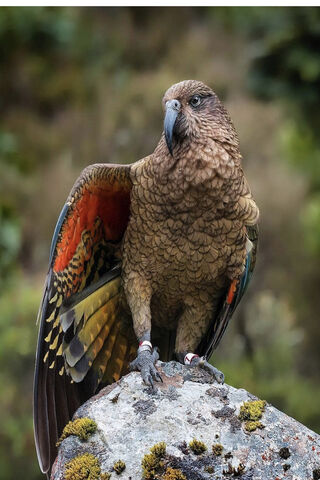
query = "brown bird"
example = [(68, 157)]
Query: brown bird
[(155, 253)]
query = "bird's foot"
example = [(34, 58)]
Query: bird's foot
[(145, 363), (194, 360)]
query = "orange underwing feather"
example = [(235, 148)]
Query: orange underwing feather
[(109, 205), (232, 291)]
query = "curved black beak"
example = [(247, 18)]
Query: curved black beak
[(172, 109)]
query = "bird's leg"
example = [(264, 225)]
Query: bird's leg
[(138, 295), (193, 325), (194, 360), (146, 359)]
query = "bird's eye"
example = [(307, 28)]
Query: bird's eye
[(195, 100)]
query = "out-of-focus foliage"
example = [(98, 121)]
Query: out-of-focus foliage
[(17, 346), (284, 53), (84, 85)]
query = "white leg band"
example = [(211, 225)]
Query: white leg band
[(189, 357), (145, 345)]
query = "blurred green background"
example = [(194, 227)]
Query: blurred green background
[(84, 85)]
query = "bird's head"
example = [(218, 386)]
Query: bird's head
[(193, 112)]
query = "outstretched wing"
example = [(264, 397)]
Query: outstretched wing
[(232, 297), (86, 337)]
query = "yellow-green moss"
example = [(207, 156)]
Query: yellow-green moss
[(173, 474), (119, 466), (159, 449), (217, 449), (252, 426), (105, 476), (197, 446), (82, 427), (151, 462), (250, 413), (83, 467)]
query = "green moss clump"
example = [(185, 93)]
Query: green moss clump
[(174, 474), (105, 476), (250, 413), (152, 462), (284, 452), (82, 427), (83, 467), (119, 467), (150, 465), (197, 446), (159, 449), (209, 469), (252, 426), (316, 474), (217, 449)]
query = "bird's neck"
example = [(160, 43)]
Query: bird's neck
[(189, 180), (196, 165)]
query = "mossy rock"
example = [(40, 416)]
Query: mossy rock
[(197, 446), (152, 462), (173, 474), (251, 412), (81, 427), (217, 449), (119, 467), (83, 467)]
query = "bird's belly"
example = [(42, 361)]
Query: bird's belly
[(187, 270), (184, 262)]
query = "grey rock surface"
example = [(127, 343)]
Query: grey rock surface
[(131, 418)]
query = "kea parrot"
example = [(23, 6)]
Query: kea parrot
[(147, 259)]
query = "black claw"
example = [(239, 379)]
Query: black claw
[(158, 377)]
